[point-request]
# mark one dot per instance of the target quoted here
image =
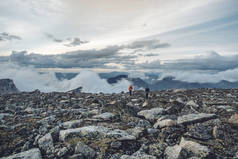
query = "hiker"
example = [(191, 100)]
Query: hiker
[(130, 89), (147, 90)]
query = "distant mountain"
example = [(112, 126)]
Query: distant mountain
[(112, 74), (7, 86), (171, 83), (62, 76), (77, 90)]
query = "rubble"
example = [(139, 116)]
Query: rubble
[(198, 123)]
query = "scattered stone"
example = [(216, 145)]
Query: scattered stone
[(195, 118), (30, 154), (144, 124), (234, 120), (152, 114), (46, 144), (164, 123), (86, 151), (71, 124), (105, 116)]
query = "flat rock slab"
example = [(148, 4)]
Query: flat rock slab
[(95, 132), (195, 118), (105, 116), (152, 113), (71, 124), (30, 154)]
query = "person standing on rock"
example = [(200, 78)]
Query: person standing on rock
[(147, 90), (130, 89)]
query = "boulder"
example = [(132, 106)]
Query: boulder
[(85, 150), (88, 131), (152, 114), (30, 154), (195, 118), (105, 116), (196, 149), (234, 120), (46, 144)]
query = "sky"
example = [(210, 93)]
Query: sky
[(166, 36)]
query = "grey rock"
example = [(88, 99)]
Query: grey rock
[(116, 144), (195, 118), (62, 152), (105, 116), (85, 150), (88, 131), (164, 123), (46, 144), (143, 124), (30, 154), (152, 114), (71, 124)]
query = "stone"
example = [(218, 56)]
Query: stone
[(137, 132), (157, 149), (88, 131), (120, 135), (174, 152), (200, 131), (47, 120), (143, 124), (85, 150), (195, 118), (105, 116), (234, 120), (152, 114), (76, 156), (164, 123), (116, 144), (46, 144), (71, 124), (30, 154), (192, 103), (62, 152), (197, 149)]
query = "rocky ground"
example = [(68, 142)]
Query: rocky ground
[(173, 124)]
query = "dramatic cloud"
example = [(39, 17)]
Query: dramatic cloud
[(8, 37), (81, 58), (29, 79), (211, 61)]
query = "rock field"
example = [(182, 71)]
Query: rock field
[(172, 124)]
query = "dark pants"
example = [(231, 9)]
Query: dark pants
[(130, 92), (147, 95)]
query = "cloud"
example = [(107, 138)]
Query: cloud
[(75, 42), (210, 61), (29, 79), (80, 58), (8, 37), (203, 77), (69, 42), (50, 36), (147, 44)]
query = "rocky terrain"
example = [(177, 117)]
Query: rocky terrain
[(7, 86), (172, 124)]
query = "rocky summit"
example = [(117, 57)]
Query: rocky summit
[(7, 86), (172, 124)]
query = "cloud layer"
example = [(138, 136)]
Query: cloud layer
[(29, 79)]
